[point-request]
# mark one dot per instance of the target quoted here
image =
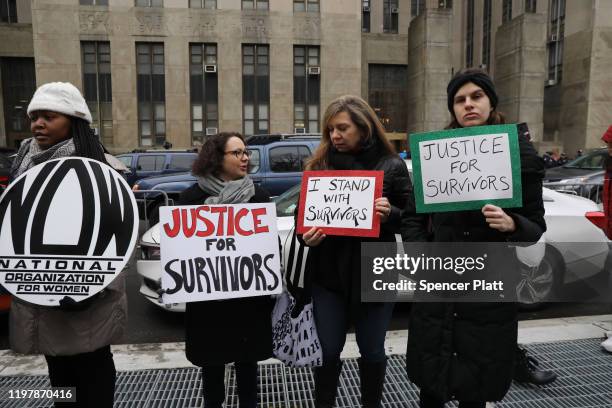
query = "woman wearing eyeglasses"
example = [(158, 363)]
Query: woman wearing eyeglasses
[(230, 330)]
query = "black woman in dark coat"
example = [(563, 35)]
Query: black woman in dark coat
[(466, 351), (232, 330), (353, 139)]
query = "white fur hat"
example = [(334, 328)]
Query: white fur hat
[(61, 97)]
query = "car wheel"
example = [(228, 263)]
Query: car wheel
[(537, 284)]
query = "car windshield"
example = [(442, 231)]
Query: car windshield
[(286, 202), (591, 161)]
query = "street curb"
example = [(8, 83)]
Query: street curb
[(130, 357)]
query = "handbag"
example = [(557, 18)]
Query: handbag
[(294, 334)]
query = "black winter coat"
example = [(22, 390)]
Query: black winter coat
[(465, 351), (335, 263), (222, 331)]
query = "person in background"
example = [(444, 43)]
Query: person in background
[(75, 337), (353, 139), (229, 330), (607, 208)]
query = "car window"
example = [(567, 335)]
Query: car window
[(304, 153), (590, 161), (151, 162), (254, 161), (127, 160), (286, 202), (285, 159), (181, 161)]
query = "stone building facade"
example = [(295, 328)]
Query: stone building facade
[(173, 70)]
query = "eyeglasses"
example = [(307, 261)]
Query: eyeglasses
[(239, 153)]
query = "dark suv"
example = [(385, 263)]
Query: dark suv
[(276, 164), (147, 163)]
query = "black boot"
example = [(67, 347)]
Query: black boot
[(526, 370), (326, 383), (372, 380)]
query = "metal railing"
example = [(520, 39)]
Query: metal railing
[(592, 191)]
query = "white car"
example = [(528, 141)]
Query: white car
[(567, 258)]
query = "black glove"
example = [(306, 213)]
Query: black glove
[(68, 304)]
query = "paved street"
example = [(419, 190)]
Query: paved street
[(150, 324)]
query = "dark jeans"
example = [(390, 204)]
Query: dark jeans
[(213, 380), (331, 313), (429, 401), (93, 374)]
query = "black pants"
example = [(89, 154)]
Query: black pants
[(213, 379), (93, 374), (430, 401)]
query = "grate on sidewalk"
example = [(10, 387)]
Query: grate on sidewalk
[(585, 381)]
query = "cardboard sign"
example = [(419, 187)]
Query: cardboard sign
[(464, 169), (340, 202), (67, 228), (213, 252)]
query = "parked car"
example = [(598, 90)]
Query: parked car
[(582, 176), (566, 258), (147, 163), (276, 164)]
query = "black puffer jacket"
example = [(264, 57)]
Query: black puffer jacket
[(222, 331), (466, 351), (335, 264)]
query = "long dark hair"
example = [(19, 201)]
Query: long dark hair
[(210, 158), (86, 143)]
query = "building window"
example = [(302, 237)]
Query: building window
[(306, 5), (390, 14), (531, 6), (255, 89), (93, 2), (204, 92), (469, 35), (506, 10), (151, 93), (97, 88), (486, 35), (387, 91), (555, 41), (8, 11), (365, 16), (254, 4), (445, 4), (306, 89), (18, 86), (149, 3), (205, 4), (417, 7)]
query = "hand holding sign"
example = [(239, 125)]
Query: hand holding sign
[(340, 203), (498, 219)]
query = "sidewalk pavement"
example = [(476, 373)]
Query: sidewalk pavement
[(570, 346)]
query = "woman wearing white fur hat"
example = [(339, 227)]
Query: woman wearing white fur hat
[(75, 337)]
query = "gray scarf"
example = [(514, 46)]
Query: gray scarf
[(227, 192), (30, 154)]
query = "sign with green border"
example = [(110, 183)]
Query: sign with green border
[(466, 168)]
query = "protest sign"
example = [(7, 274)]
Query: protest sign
[(213, 252), (67, 228), (464, 169), (340, 202)]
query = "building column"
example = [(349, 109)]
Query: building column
[(520, 71), (429, 70)]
